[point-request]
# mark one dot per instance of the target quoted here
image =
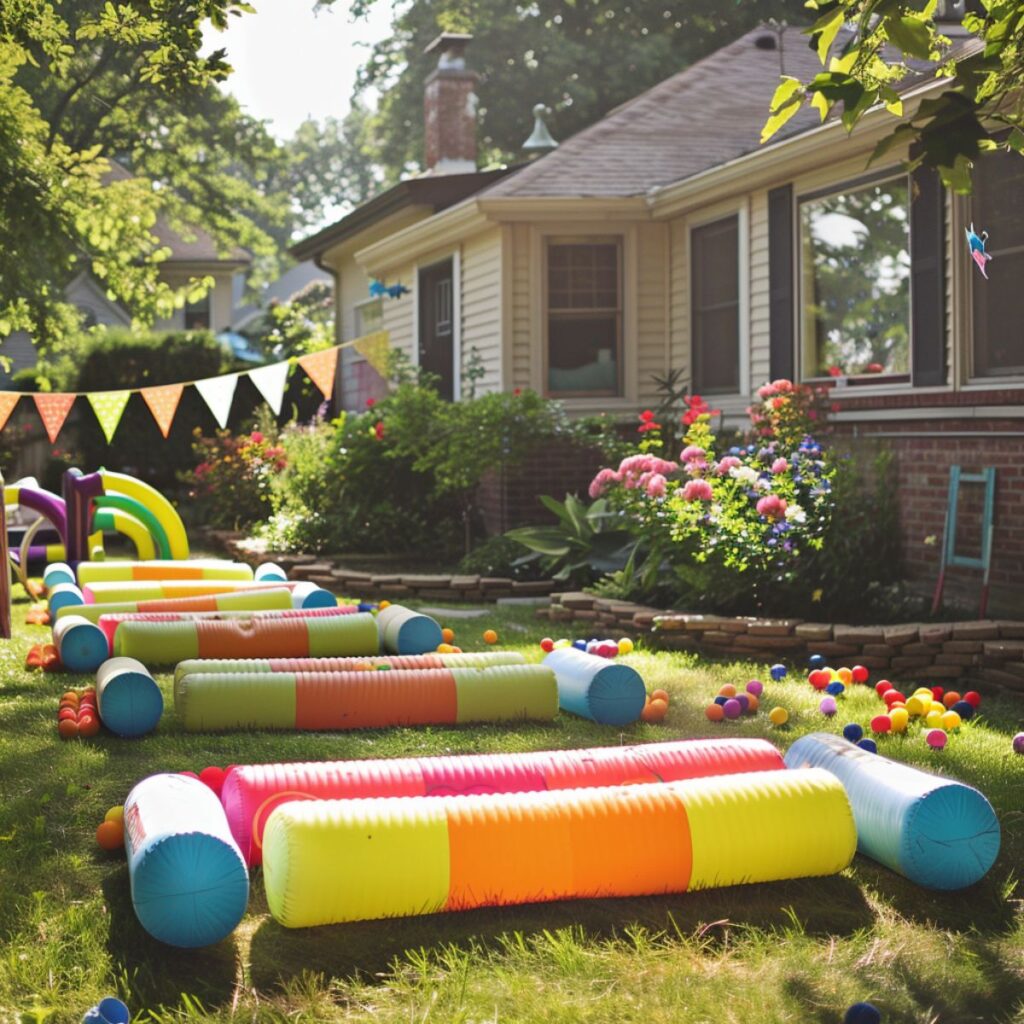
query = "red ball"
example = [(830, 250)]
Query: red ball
[(937, 692), (213, 777), (881, 723), (881, 686), (860, 674), (547, 645), (891, 696), (819, 679), (973, 698)]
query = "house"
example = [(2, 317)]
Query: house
[(666, 237)]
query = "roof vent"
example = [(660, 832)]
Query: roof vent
[(540, 141), (766, 42)]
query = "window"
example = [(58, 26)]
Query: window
[(197, 314), (855, 281), (584, 313), (369, 317), (997, 205), (715, 291)]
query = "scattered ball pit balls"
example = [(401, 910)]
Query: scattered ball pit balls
[(213, 777), (778, 716), (563, 642), (963, 709), (816, 661), (660, 695), (714, 713), (778, 672), (881, 724), (937, 692), (835, 689), (115, 813), (580, 645), (845, 676), (853, 732), (828, 706), (916, 707), (626, 645), (933, 719), (862, 1013), (384, 604), (447, 635), (936, 739), (727, 690), (753, 703), (1018, 743), (654, 711), (899, 718), (490, 637), (949, 698), (882, 686), (868, 744), (860, 674), (732, 708), (721, 699), (110, 834), (755, 686), (950, 721), (547, 645), (443, 648), (973, 698)]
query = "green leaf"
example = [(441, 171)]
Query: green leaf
[(825, 30), (785, 103), (546, 540), (910, 34)]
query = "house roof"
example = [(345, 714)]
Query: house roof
[(437, 192)]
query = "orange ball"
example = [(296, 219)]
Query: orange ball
[(752, 704), (845, 676), (714, 713), (727, 690), (68, 729), (660, 695), (447, 635), (950, 698), (67, 714), (490, 637), (71, 697), (654, 712), (110, 835)]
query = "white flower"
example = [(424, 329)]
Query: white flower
[(795, 514), (745, 474), (760, 484)]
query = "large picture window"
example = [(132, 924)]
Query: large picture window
[(584, 317), (997, 206), (715, 292), (855, 281)]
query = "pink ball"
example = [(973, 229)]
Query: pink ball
[(756, 687), (732, 708), (828, 706), (609, 649), (936, 739), (1018, 743)]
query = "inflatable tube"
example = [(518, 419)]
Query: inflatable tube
[(421, 855), (403, 631), (64, 595), (309, 595), (188, 880), (251, 792), (166, 643), (366, 700), (113, 520), (116, 591), (134, 508), (127, 697), (244, 600), (109, 623), (153, 500), (58, 572), (82, 644), (194, 569), (937, 832), (270, 572), (604, 691), (46, 503)]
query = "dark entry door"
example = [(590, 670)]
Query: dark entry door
[(437, 325)]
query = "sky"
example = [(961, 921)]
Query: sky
[(292, 62)]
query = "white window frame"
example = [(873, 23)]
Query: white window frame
[(357, 308)]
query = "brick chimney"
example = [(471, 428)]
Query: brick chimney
[(449, 108)]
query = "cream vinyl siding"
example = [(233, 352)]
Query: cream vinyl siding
[(679, 299), (760, 292), (652, 304), (482, 306), (398, 315), (519, 300)]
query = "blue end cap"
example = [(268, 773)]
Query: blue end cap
[(419, 634), (131, 704), (616, 695), (84, 648), (320, 598)]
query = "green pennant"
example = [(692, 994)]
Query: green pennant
[(109, 407)]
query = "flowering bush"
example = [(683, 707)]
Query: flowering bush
[(758, 506), (231, 483)]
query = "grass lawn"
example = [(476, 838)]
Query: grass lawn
[(797, 951)]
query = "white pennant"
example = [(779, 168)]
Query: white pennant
[(270, 381), (218, 392)]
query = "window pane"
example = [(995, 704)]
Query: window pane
[(715, 292), (197, 314), (855, 252), (582, 353), (369, 317)]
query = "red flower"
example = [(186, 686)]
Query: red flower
[(517, 392), (835, 371), (379, 430), (874, 368), (256, 437), (371, 402), (647, 415)]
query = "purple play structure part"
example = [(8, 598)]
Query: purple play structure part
[(46, 504), (79, 489)]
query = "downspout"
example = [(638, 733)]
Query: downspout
[(320, 265)]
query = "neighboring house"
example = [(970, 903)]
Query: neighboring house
[(666, 237), (285, 288)]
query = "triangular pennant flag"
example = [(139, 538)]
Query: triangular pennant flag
[(163, 404), (8, 400), (321, 367), (53, 407), (374, 348), (218, 392), (109, 407), (270, 381)]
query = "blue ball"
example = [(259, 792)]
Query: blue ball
[(580, 645), (778, 672), (853, 732), (720, 700), (869, 745), (862, 1013), (816, 661), (964, 709), (365, 606), (835, 688)]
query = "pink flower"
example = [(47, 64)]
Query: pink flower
[(698, 490), (256, 437), (371, 402), (782, 386), (765, 391), (601, 482), (780, 466), (835, 371), (771, 506), (656, 486), (647, 415), (727, 463), (379, 430), (692, 453), (696, 467)]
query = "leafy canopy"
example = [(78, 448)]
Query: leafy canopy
[(982, 110)]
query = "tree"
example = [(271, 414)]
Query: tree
[(982, 110), (581, 57), (83, 83)]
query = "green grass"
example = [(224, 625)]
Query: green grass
[(789, 952)]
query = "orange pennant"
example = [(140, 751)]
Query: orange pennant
[(163, 404), (8, 400), (53, 411), (321, 367)]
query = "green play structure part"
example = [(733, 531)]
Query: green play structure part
[(143, 514)]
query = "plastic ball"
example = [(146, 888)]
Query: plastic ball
[(828, 706), (364, 606), (732, 708), (721, 699), (115, 813), (625, 645), (212, 777), (547, 645), (933, 720), (447, 634), (727, 690), (950, 697), (67, 714), (71, 697), (819, 679), (816, 661), (881, 723), (937, 705), (655, 711), (580, 645), (845, 676), (869, 745), (853, 732), (384, 604), (68, 729), (891, 696), (963, 709), (490, 637), (110, 835), (660, 695), (755, 686), (835, 689), (714, 713), (778, 672), (935, 738), (752, 704), (88, 726), (950, 721), (778, 716), (937, 692), (562, 643), (444, 648), (973, 698), (609, 649), (916, 707), (882, 686), (862, 1013), (592, 646), (1018, 743), (899, 718), (860, 674), (743, 699)]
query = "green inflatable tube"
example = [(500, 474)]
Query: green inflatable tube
[(143, 514)]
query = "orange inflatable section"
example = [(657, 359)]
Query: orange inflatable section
[(258, 638)]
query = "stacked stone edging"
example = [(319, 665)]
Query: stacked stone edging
[(988, 650)]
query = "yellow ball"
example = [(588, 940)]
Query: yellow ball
[(915, 706), (778, 716), (625, 645), (933, 720), (445, 649), (923, 691), (384, 604), (937, 705), (845, 676), (115, 814), (899, 718), (950, 721), (559, 644), (833, 675)]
